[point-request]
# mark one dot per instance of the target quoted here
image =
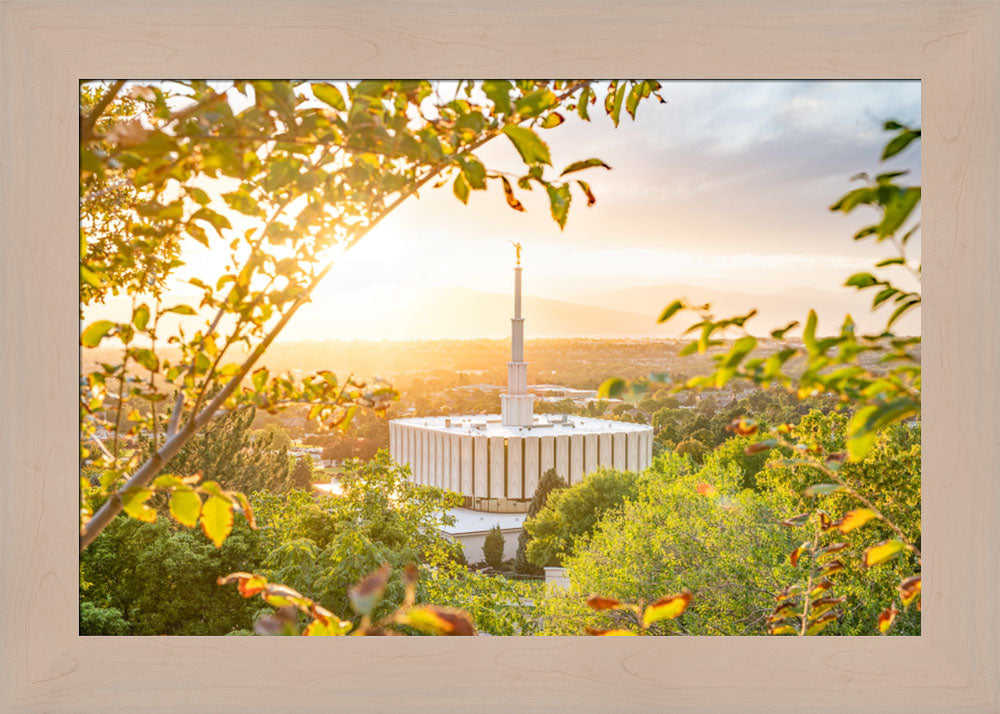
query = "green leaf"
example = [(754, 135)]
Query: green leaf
[(134, 504), (532, 149), (821, 489), (147, 358), (740, 349), (867, 421), (581, 165), (901, 310), (552, 120), (498, 92), (890, 261), (898, 210), (780, 333), (95, 332), (461, 188), (670, 310), (140, 317), (611, 388), (534, 103), (474, 171), (181, 310), (559, 200), (900, 142), (217, 519), (328, 94), (861, 280), (185, 505), (809, 332), (259, 378), (616, 108)]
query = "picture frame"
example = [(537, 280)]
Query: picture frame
[(48, 47)]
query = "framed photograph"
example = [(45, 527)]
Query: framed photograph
[(596, 365)]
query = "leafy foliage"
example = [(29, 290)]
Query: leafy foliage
[(549, 482)]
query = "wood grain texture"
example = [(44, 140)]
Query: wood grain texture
[(954, 48)]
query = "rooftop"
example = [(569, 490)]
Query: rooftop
[(468, 521), (544, 425)]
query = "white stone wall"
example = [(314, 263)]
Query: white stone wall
[(484, 466)]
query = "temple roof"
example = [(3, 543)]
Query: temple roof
[(544, 425)]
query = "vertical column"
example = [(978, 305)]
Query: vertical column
[(618, 450), (496, 467), (467, 468), (432, 458), (515, 469), (480, 476), (425, 457), (589, 453), (393, 450), (443, 459), (562, 456), (455, 469), (547, 455), (648, 450), (575, 458), (530, 466), (604, 449), (632, 448)]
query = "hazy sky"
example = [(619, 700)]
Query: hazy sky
[(727, 187)]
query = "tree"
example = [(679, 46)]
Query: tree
[(302, 473), (305, 170), (549, 482), (572, 513), (493, 546), (688, 528), (693, 448)]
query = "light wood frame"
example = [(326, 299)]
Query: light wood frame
[(953, 47)]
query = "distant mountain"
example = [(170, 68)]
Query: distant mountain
[(462, 313), (774, 309)]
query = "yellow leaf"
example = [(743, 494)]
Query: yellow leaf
[(217, 519), (666, 608), (783, 630), (855, 519), (134, 504), (818, 625), (882, 552), (435, 620), (608, 633), (909, 590), (598, 602), (330, 628), (886, 618), (185, 505)]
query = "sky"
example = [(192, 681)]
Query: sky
[(724, 190)]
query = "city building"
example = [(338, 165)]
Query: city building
[(496, 460)]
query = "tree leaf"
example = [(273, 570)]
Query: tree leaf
[(607, 633), (881, 552), (611, 388), (666, 608), (365, 594), (134, 504), (886, 618), (185, 505), (899, 142), (532, 149), (670, 310), (140, 317), (585, 187), (855, 519), (582, 165), (435, 620), (559, 200), (461, 188), (552, 120), (508, 193), (217, 519), (498, 92), (909, 590), (821, 489), (328, 94), (95, 332), (534, 103), (599, 602)]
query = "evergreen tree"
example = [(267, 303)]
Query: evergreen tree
[(549, 482), (493, 548)]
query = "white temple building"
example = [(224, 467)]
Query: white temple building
[(495, 461)]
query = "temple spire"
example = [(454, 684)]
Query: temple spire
[(517, 406)]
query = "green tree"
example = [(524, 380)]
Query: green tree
[(302, 474), (687, 528), (101, 621), (571, 513), (306, 170), (493, 546), (549, 482)]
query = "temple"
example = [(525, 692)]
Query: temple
[(495, 461)]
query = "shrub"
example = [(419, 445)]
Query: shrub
[(493, 548)]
